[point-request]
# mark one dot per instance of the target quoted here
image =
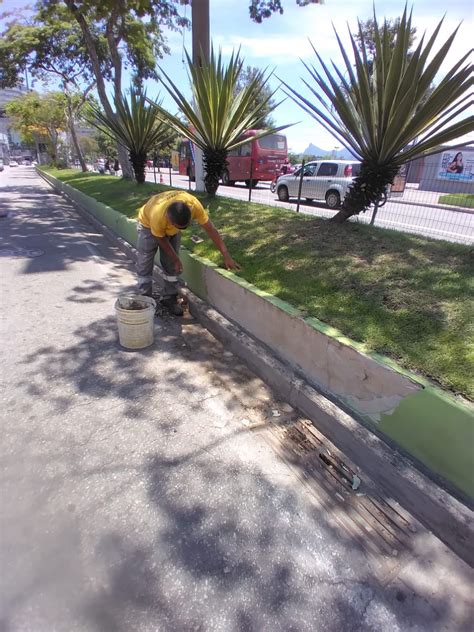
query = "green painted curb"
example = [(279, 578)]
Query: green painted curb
[(438, 431), (431, 425)]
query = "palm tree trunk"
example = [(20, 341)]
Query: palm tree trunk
[(215, 161), (368, 187), (139, 165)]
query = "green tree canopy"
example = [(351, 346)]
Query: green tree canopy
[(89, 147), (40, 118), (106, 144), (48, 44), (365, 36), (261, 9), (122, 35), (263, 98), (90, 41)]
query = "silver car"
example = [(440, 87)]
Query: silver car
[(327, 180)]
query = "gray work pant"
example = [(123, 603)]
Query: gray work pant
[(147, 246)]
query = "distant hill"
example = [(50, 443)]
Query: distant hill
[(313, 150)]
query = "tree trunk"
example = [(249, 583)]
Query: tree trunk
[(91, 49), (75, 142), (37, 148), (138, 162), (215, 161), (367, 188), (127, 168), (53, 143), (342, 216)]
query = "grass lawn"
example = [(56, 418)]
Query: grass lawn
[(458, 199), (408, 297)]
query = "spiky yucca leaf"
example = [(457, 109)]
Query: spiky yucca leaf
[(216, 117), (135, 126), (383, 111)]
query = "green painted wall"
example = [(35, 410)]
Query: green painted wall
[(438, 431), (194, 273)]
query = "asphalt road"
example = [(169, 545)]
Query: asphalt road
[(431, 221), (133, 495)]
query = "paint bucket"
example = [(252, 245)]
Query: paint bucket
[(135, 320)]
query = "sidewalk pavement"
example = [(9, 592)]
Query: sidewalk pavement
[(136, 496)]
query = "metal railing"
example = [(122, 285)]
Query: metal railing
[(425, 207)]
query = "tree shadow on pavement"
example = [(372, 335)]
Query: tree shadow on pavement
[(28, 227), (215, 532)]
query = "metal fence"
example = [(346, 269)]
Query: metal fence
[(426, 198)]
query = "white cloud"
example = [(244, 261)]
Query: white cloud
[(273, 49), (281, 41)]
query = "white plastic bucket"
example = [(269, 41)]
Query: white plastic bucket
[(135, 326)]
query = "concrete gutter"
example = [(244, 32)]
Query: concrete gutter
[(445, 515), (434, 507)]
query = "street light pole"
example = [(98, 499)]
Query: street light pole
[(201, 46)]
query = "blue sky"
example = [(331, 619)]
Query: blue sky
[(280, 41)]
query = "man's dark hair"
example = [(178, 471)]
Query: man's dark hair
[(180, 214)]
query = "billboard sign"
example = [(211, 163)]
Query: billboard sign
[(456, 166)]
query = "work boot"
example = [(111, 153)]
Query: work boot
[(172, 305)]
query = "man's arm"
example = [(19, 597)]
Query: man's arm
[(213, 233), (165, 245)]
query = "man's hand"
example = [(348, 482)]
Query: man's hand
[(230, 264), (213, 233)]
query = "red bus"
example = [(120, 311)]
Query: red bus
[(261, 158)]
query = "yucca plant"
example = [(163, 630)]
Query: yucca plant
[(136, 126), (383, 111), (217, 114)]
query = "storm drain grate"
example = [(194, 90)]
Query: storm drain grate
[(379, 525)]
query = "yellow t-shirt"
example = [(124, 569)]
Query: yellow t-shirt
[(153, 214)]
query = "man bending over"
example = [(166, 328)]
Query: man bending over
[(160, 222)]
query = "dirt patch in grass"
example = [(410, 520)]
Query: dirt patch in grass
[(403, 295)]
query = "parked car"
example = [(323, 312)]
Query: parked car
[(13, 163), (327, 180), (2, 167)]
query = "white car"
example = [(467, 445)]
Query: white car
[(327, 180), (1, 165), (13, 163)]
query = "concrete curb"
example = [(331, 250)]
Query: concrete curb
[(444, 515), (435, 508), (444, 207)]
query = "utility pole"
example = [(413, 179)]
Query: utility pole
[(201, 46), (200, 25)]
